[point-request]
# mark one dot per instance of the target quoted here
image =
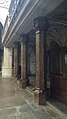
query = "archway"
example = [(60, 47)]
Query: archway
[(57, 55), (54, 62), (32, 63)]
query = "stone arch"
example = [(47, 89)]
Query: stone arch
[(58, 34), (31, 60), (32, 63), (54, 58)]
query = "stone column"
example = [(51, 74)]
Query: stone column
[(16, 61), (7, 63), (23, 62), (12, 62), (40, 89)]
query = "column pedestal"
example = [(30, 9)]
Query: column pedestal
[(40, 97)]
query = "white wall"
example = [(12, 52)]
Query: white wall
[(7, 63)]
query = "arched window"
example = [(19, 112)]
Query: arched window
[(54, 58)]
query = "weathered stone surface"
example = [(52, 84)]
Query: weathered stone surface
[(7, 63), (16, 62), (40, 90), (23, 64), (16, 103)]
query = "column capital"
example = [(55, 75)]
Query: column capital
[(15, 45), (40, 23), (23, 38)]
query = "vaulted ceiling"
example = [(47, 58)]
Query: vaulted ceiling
[(60, 14), (57, 30)]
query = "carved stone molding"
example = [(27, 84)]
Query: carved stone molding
[(40, 23), (23, 38), (15, 45)]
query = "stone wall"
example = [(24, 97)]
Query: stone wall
[(31, 63)]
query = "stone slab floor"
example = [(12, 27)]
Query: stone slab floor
[(16, 103)]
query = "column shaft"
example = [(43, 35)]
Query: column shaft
[(7, 63), (16, 63), (23, 64), (40, 92), (40, 89)]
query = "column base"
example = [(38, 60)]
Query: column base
[(23, 84), (6, 73), (39, 97), (16, 77)]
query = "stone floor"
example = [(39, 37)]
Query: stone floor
[(16, 103)]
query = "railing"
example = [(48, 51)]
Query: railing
[(6, 25), (10, 20), (18, 13), (12, 8)]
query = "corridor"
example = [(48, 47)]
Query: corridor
[(16, 103)]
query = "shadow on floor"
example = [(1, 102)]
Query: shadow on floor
[(59, 105)]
